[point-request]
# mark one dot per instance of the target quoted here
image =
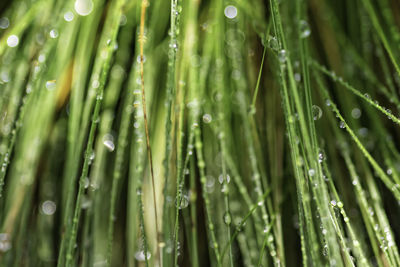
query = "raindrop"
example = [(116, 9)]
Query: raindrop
[(230, 12), (282, 56), (5, 243), (12, 40), (316, 112), (321, 157), (342, 125), (207, 118), (51, 85), (139, 58), (48, 207), (53, 33), (273, 43), (4, 23), (83, 7), (140, 255), (184, 202), (95, 84), (328, 102), (68, 16), (340, 204), (221, 179), (108, 142), (123, 20), (356, 113), (311, 172), (297, 77), (333, 203), (227, 218), (305, 30), (389, 171)]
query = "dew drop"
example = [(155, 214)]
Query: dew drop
[(316, 112), (68, 16), (109, 145), (140, 255), (83, 7), (139, 59), (327, 102), (5, 243), (230, 12), (51, 85), (184, 202), (108, 142), (221, 179), (53, 33), (12, 40), (321, 157), (273, 43), (207, 118), (4, 23), (48, 207), (342, 125), (311, 172), (227, 218), (282, 56), (305, 30), (356, 113)]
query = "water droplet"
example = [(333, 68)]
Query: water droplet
[(297, 77), (342, 125), (41, 58), (123, 20), (273, 43), (207, 118), (49, 207), (221, 179), (83, 7), (139, 59), (321, 156), (5, 243), (184, 202), (230, 12), (12, 40), (316, 112), (51, 85), (356, 113), (305, 30), (311, 172), (68, 16), (140, 255), (367, 96), (340, 204), (108, 142), (227, 218), (389, 171), (328, 102), (333, 203), (53, 33), (4, 23), (282, 56)]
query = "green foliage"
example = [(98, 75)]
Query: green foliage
[(199, 133)]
